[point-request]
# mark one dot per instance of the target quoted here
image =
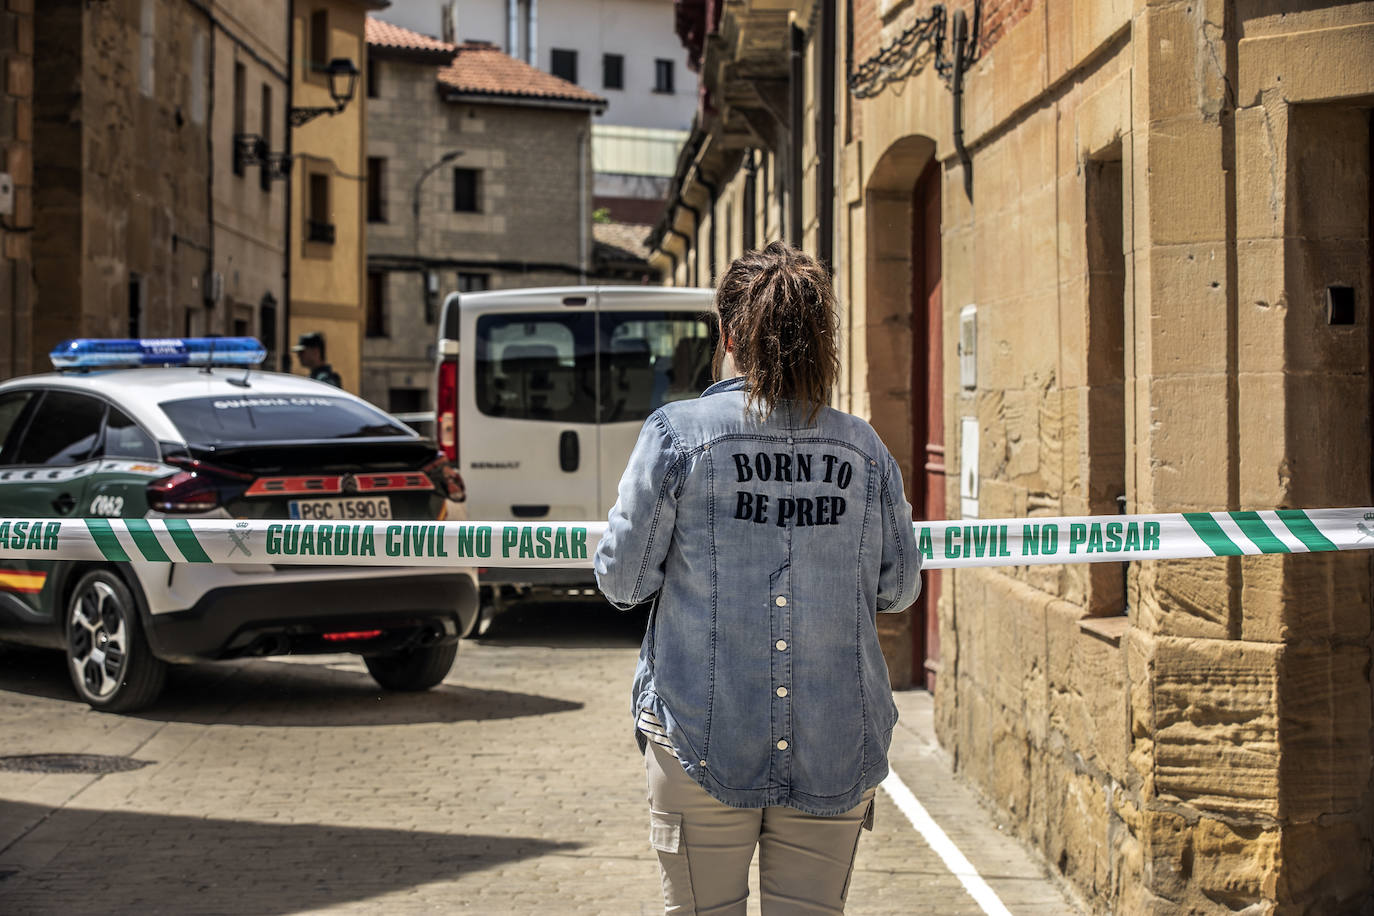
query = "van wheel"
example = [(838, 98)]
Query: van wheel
[(108, 657), (418, 669), (486, 613)]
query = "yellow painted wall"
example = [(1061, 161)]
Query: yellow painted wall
[(327, 280)]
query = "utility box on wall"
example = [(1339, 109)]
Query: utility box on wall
[(968, 347)]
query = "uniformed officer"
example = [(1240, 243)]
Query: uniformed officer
[(309, 349)]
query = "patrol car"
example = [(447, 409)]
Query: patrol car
[(187, 429)]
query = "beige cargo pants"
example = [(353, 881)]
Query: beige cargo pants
[(705, 847)]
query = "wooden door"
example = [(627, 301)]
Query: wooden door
[(927, 405)]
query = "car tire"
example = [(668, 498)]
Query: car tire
[(418, 669), (108, 658)]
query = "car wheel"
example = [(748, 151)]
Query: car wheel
[(418, 669), (108, 659)]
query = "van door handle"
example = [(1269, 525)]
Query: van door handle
[(64, 504), (569, 451)]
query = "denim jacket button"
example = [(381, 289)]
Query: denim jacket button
[(780, 601), (782, 745), (782, 691), (780, 645)]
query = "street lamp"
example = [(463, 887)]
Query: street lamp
[(343, 81), (415, 220)]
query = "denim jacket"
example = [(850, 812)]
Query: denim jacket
[(768, 545)]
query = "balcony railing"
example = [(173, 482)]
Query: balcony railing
[(317, 231)]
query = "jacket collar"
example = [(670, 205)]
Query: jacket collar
[(730, 384)]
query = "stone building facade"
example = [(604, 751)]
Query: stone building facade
[(512, 208), (1147, 228), (16, 155), (127, 216), (326, 226)]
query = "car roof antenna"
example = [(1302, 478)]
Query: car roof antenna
[(241, 382)]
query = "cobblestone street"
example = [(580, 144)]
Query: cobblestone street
[(295, 786)]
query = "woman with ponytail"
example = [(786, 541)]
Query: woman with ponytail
[(768, 529)]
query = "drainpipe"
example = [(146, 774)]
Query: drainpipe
[(686, 246), (960, 33), (694, 240), (748, 239), (582, 215), (711, 235), (532, 52), (825, 164), (796, 89), (513, 28), (284, 341)]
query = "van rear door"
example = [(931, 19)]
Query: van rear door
[(656, 347), (528, 436)]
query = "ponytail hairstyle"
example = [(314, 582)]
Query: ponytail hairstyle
[(777, 313)]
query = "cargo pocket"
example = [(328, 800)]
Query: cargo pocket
[(665, 835)]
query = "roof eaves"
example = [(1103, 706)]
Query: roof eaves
[(439, 56), (529, 100)]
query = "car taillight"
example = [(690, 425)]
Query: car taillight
[(199, 487), (446, 479), (446, 413)]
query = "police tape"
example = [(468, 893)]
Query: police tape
[(943, 545)]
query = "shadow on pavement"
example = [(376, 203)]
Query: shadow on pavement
[(317, 693), (570, 624), (124, 862)]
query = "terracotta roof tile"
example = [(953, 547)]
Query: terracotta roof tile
[(483, 69), (386, 36)]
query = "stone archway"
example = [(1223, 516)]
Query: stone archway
[(897, 254)]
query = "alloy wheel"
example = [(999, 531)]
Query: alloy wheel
[(98, 647)]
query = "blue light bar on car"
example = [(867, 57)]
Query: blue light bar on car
[(104, 353)]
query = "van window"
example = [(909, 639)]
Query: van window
[(536, 367), (543, 366), (649, 359)]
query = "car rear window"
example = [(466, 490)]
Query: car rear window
[(543, 366), (278, 418)]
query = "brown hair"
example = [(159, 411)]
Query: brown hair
[(777, 310)]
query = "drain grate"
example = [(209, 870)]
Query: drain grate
[(94, 764)]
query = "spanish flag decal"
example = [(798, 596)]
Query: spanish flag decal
[(26, 581)]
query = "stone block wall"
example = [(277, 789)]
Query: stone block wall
[(16, 154), (1159, 207)]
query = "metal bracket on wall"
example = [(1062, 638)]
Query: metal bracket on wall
[(251, 149), (906, 55)]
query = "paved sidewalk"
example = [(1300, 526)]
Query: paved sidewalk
[(293, 786)]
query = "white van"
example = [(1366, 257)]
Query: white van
[(541, 395)]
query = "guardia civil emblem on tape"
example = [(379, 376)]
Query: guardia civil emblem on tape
[(960, 544)]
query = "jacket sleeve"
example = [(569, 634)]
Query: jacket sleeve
[(899, 575), (629, 559)]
